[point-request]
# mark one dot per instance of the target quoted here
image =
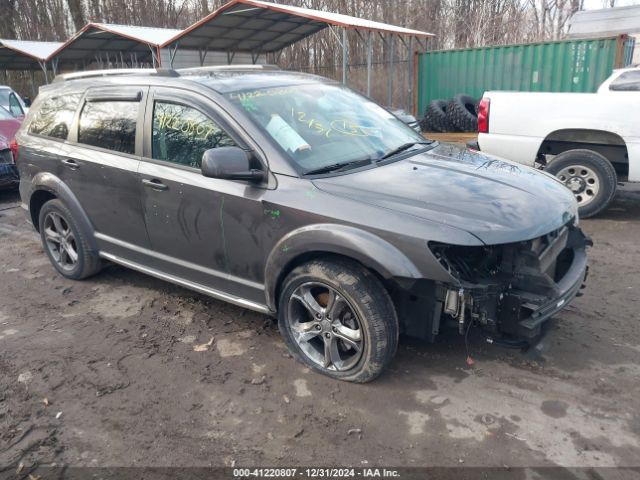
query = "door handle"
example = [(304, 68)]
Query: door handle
[(72, 164), (154, 184)]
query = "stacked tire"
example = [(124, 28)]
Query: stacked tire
[(460, 114)]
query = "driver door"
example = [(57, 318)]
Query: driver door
[(185, 213)]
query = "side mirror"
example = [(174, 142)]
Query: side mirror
[(27, 101), (230, 163)]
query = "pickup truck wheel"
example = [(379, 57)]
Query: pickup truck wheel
[(338, 319), (589, 175), (65, 243)]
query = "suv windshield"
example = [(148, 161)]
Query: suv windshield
[(321, 126)]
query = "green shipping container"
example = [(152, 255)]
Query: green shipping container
[(566, 66)]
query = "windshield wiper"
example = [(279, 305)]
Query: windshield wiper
[(341, 166), (402, 148)]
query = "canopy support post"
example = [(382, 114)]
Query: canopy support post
[(230, 56), (202, 53), (154, 61), (43, 66), (278, 56), (345, 55), (391, 72), (172, 53), (33, 84), (54, 66), (369, 61), (410, 76)]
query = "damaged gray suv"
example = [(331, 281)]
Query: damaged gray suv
[(292, 195)]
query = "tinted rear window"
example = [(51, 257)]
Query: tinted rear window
[(55, 116), (110, 125)]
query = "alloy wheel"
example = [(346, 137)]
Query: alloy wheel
[(60, 241), (325, 326)]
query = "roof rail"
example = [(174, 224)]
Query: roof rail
[(222, 68), (163, 72), (115, 71)]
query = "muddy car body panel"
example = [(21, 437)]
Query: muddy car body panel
[(456, 238)]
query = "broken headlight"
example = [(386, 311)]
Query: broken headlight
[(471, 264)]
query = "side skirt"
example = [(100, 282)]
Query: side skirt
[(241, 302)]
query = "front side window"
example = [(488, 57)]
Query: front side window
[(109, 124), (627, 82), (182, 134), (55, 117), (321, 125)]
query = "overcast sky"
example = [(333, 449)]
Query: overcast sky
[(592, 4)]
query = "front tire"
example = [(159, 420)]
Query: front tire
[(65, 243), (589, 175), (337, 318)]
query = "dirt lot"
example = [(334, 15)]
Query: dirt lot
[(114, 358)]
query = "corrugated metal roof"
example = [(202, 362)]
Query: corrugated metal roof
[(258, 26), (150, 35), (39, 50), (605, 22), (104, 38), (24, 54)]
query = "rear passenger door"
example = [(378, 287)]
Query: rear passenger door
[(48, 131), (101, 160)]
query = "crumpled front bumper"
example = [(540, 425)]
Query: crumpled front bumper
[(513, 313)]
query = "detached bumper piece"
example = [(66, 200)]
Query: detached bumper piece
[(512, 290)]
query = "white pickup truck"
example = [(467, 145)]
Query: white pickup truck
[(587, 140)]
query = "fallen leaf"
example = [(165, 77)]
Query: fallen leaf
[(58, 415), (203, 347), (20, 468), (46, 402)]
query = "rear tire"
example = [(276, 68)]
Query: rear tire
[(589, 175), (338, 319), (65, 243)]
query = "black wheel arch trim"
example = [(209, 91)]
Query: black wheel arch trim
[(48, 182), (366, 248)]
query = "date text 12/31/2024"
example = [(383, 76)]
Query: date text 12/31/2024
[(308, 473)]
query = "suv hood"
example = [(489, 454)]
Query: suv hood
[(495, 200)]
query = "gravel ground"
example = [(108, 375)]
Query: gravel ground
[(106, 372)]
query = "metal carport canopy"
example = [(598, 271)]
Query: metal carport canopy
[(262, 27), (25, 54), (96, 39)]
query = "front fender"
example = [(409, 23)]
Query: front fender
[(48, 182), (368, 249)]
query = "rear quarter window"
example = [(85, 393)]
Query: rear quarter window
[(55, 116)]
